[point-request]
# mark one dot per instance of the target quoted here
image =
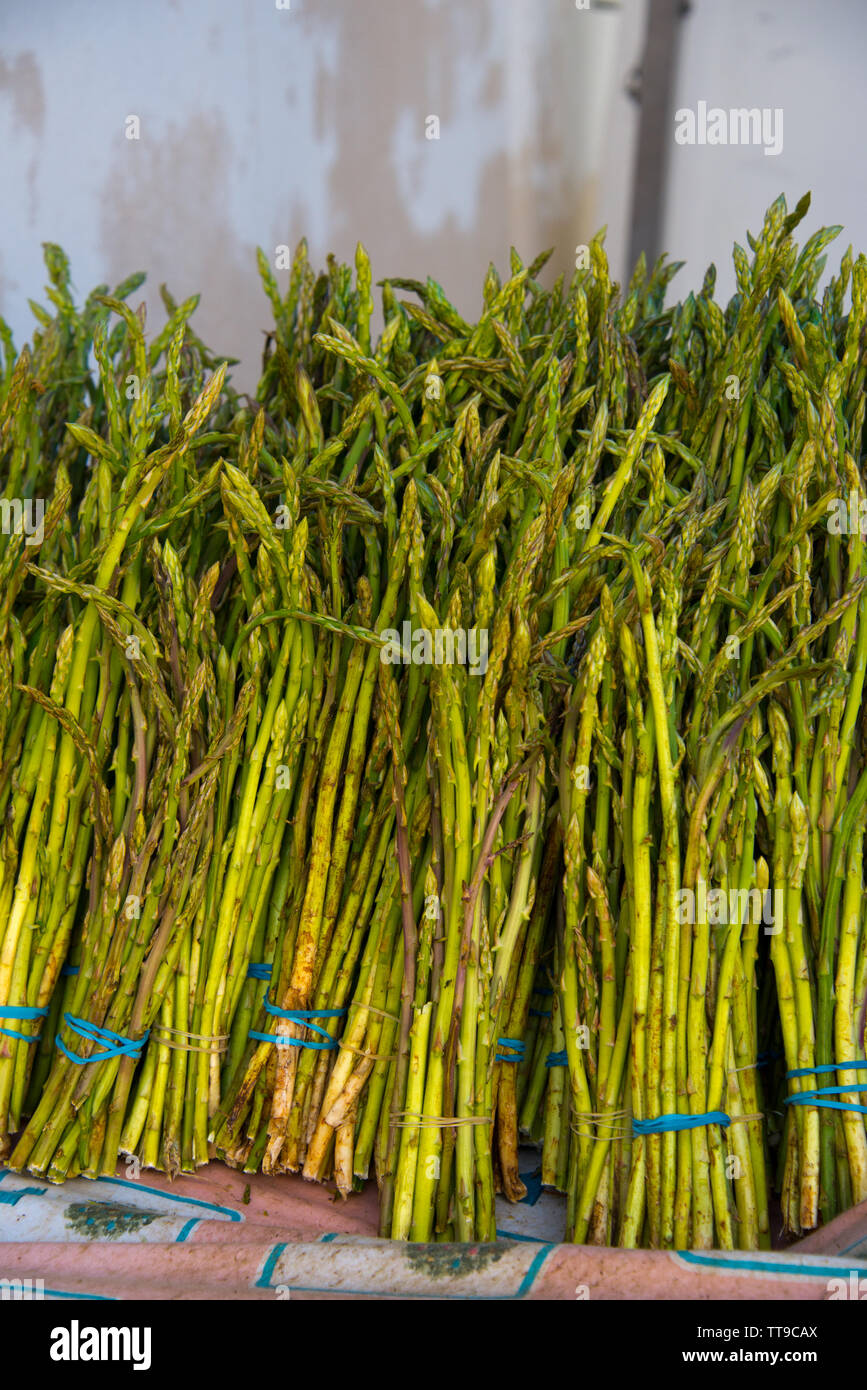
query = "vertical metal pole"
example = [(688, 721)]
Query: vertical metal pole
[(656, 130)]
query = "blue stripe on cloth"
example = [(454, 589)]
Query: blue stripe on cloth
[(529, 1278), (755, 1266), (174, 1197), (264, 1280)]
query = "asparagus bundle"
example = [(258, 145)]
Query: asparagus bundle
[(457, 744)]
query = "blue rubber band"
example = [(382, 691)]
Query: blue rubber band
[(543, 989), (540, 1013), (826, 1067), (69, 970), (557, 1059), (516, 1047), (666, 1124), (816, 1097), (116, 1044), (258, 972), (23, 1011), (300, 1016)]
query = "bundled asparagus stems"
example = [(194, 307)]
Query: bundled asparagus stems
[(458, 745)]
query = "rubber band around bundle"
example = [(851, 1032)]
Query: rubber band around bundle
[(69, 970), (764, 1059), (638, 1126), (616, 1133), (300, 1016), (259, 972), (667, 1124), (363, 1052), (557, 1059), (116, 1044), (816, 1097), (600, 1118), (601, 1115), (855, 1065), (220, 1039), (24, 1012), (408, 1119), (381, 1013), (515, 1045), (540, 1013)]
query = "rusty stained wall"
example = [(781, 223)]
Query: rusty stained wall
[(259, 126)]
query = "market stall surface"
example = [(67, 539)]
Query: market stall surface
[(222, 1234)]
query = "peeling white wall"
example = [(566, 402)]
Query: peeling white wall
[(261, 125)]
